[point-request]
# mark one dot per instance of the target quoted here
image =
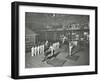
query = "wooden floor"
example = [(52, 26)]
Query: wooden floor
[(81, 53)]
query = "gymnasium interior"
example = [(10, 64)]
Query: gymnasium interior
[(70, 33)]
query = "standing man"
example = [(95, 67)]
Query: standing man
[(46, 43), (70, 48), (58, 45), (35, 50), (32, 51), (42, 47), (63, 39), (52, 50), (38, 49)]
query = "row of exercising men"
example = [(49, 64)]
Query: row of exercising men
[(39, 49)]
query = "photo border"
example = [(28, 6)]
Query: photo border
[(15, 39)]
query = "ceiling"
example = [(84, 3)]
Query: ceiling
[(45, 21)]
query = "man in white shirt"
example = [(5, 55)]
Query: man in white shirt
[(70, 48), (57, 46), (32, 51), (54, 46), (63, 40), (71, 45), (52, 50), (38, 49), (35, 51), (42, 49), (46, 43)]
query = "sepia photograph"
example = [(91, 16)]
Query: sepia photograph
[(53, 40)]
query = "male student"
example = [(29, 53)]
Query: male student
[(52, 50), (70, 47), (35, 50), (46, 43), (63, 39), (57, 45), (32, 51), (42, 48), (38, 49)]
